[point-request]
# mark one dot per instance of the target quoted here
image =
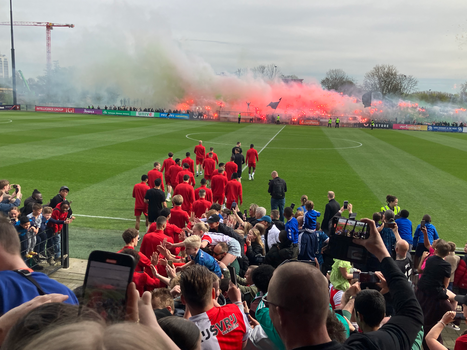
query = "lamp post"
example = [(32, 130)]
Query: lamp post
[(13, 65)]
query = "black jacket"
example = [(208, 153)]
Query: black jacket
[(254, 252), (331, 209), (28, 203), (277, 188), (277, 255)]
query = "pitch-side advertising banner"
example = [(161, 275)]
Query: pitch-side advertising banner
[(308, 122), (55, 109), (445, 128), (409, 127)]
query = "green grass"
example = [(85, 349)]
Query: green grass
[(101, 158)]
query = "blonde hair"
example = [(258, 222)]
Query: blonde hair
[(303, 199), (177, 199), (258, 239), (260, 228), (201, 226), (246, 228), (192, 242)]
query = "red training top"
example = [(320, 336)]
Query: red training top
[(218, 184), (145, 282), (173, 172), (179, 217), (209, 165), (216, 172), (191, 163), (214, 156), (230, 168), (139, 191), (208, 193), (252, 156), (200, 152), (188, 193), (167, 164), (151, 240), (182, 173), (152, 176), (143, 260), (233, 192), (200, 206)]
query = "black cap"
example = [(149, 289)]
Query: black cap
[(64, 188), (214, 218)]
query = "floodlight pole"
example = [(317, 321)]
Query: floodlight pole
[(13, 65)]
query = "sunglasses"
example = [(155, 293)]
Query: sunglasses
[(264, 299)]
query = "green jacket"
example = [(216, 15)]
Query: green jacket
[(242, 285)]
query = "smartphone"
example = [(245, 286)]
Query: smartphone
[(368, 277), (233, 274), (292, 205), (244, 213), (105, 284), (346, 204), (171, 263), (234, 205), (422, 224)]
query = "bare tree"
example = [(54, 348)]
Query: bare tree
[(386, 79), (266, 72), (241, 72), (337, 79)]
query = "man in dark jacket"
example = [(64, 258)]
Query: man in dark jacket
[(331, 209), (277, 189), (36, 197), (60, 197), (279, 252)]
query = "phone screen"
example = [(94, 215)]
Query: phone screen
[(105, 288), (341, 227), (346, 203), (422, 223), (233, 274)]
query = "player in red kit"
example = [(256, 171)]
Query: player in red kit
[(200, 152), (186, 171), (216, 172), (214, 156), (251, 158), (190, 162), (203, 187), (230, 168), (209, 165), (155, 174), (178, 217), (139, 191), (187, 192), (233, 191), (218, 184), (165, 169), (173, 173), (201, 205)]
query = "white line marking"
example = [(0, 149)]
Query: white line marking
[(102, 217), (317, 149), (266, 145), (206, 132), (7, 121)]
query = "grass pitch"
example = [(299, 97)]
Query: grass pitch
[(100, 158)]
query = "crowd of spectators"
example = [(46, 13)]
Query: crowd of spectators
[(290, 292)]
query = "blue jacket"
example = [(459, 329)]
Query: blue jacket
[(310, 219), (404, 226), (430, 230), (207, 260), (291, 227), (6, 206), (308, 245)]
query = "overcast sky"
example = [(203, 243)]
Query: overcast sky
[(427, 39)]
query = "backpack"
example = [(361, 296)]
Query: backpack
[(308, 245)]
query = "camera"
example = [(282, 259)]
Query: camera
[(341, 245), (14, 186), (292, 205)]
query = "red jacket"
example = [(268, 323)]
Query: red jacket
[(230, 168), (153, 175), (209, 165), (143, 260), (58, 215), (200, 151), (151, 240), (179, 217), (214, 156), (252, 156), (218, 184), (191, 163), (139, 191), (208, 193), (182, 173), (200, 206), (188, 193), (145, 282), (233, 192), (216, 172), (173, 173), (460, 276), (167, 164)]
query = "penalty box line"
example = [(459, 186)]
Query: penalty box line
[(266, 145)]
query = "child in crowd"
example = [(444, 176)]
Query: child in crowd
[(192, 246), (13, 215), (291, 227), (310, 216), (377, 219), (36, 219), (42, 235), (23, 226)]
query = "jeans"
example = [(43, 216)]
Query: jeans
[(278, 204)]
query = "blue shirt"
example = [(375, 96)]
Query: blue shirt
[(301, 208), (21, 230), (6, 206), (204, 259), (291, 227), (322, 237), (404, 226), (310, 219), (16, 289), (430, 230)]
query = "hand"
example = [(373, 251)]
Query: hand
[(246, 310), (374, 244), (448, 317), (349, 208), (383, 284), (10, 318), (163, 262), (354, 289), (396, 228), (155, 258), (253, 322), (181, 236), (175, 291), (248, 241), (170, 271), (423, 229), (168, 245), (222, 265), (234, 293)]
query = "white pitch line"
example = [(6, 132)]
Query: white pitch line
[(6, 122), (266, 145), (102, 217)]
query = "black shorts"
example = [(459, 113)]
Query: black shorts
[(420, 249), (239, 173)]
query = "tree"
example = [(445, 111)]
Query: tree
[(338, 80), (386, 79), (266, 72)]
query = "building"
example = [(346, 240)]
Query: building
[(4, 75)]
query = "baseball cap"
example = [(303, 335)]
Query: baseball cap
[(265, 218), (64, 188), (213, 218)]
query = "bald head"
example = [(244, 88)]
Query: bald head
[(200, 142), (274, 174), (331, 195), (301, 290), (402, 247)]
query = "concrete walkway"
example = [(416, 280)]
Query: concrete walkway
[(73, 277)]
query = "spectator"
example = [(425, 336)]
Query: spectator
[(310, 216), (197, 293), (387, 233), (60, 197), (275, 216), (252, 214), (163, 301), (185, 334), (36, 197), (247, 286), (418, 238), (197, 256), (280, 252), (260, 277), (59, 217), (404, 225), (255, 247), (14, 215), (452, 259), (36, 222), (403, 258), (292, 229), (460, 275), (15, 287), (331, 209), (24, 229), (303, 201), (340, 281), (301, 320), (9, 202), (277, 190)]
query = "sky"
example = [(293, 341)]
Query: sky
[(426, 39)]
